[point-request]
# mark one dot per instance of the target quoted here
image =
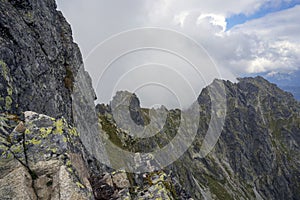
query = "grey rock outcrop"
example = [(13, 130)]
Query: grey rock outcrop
[(42, 69), (39, 60), (46, 162)]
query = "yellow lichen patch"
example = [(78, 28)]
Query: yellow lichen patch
[(65, 139), (2, 63), (9, 91), (34, 141), (53, 150), (80, 185), (73, 131), (59, 125), (155, 177), (7, 154), (43, 129), (45, 132), (3, 148), (4, 69), (27, 131), (70, 169), (16, 149), (8, 102), (29, 16), (69, 163)]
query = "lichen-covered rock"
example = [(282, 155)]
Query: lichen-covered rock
[(159, 186), (41, 68), (37, 58), (47, 155), (117, 185)]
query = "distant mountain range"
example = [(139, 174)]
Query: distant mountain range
[(295, 90), (54, 143), (289, 83), (255, 157)]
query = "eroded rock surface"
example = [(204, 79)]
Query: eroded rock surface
[(44, 161)]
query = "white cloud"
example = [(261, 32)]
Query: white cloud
[(218, 21), (163, 8), (269, 45), (180, 18), (95, 20), (275, 43)]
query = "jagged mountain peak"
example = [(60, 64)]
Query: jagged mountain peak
[(59, 150), (257, 152)]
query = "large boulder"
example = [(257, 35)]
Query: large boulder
[(42, 158)]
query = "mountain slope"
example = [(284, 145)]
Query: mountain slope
[(258, 151), (62, 156), (256, 156)]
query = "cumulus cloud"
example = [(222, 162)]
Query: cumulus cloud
[(275, 43), (269, 45)]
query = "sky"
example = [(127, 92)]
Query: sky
[(234, 38)]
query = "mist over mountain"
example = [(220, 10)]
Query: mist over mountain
[(236, 141)]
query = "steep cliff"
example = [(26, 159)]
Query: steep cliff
[(257, 155), (42, 71), (54, 145), (38, 58)]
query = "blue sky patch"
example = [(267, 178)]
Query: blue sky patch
[(242, 18)]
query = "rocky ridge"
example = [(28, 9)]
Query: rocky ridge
[(53, 151), (256, 156)]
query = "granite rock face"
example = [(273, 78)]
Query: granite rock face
[(41, 70), (39, 60), (42, 158)]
